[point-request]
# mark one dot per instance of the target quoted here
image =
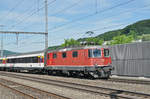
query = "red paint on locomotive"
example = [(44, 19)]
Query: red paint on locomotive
[(81, 59)]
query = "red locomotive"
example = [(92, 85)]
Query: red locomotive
[(92, 61)]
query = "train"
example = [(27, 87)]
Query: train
[(83, 61)]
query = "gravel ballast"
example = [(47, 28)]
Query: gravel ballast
[(73, 94), (76, 94), (101, 83)]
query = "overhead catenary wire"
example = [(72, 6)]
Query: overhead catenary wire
[(54, 0), (34, 12), (65, 9), (37, 10), (135, 9), (100, 28), (92, 14), (81, 34), (23, 16), (13, 8), (61, 11)]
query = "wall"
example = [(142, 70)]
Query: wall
[(131, 59)]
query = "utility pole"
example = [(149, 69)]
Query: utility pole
[(46, 25), (2, 42), (17, 33)]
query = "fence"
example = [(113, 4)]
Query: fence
[(131, 59)]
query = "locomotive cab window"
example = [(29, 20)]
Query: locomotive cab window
[(106, 52), (64, 55), (90, 52), (75, 54), (94, 53)]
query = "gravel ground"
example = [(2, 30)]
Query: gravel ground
[(102, 83), (73, 94), (80, 95), (8, 94)]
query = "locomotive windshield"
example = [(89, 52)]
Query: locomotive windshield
[(106, 52), (94, 53)]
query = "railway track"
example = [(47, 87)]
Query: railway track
[(108, 92), (27, 92)]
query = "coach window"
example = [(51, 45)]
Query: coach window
[(25, 60), (22, 60), (54, 55), (75, 54), (14, 60), (19, 61), (35, 59), (9, 60), (28, 60), (64, 55), (1, 61)]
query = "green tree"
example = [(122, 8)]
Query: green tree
[(90, 33), (70, 42), (95, 41), (122, 39), (146, 37), (90, 40), (100, 42), (133, 33)]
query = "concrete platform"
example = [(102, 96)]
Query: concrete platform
[(129, 77)]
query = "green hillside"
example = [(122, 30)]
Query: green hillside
[(140, 28)]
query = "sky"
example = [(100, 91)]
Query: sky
[(66, 19)]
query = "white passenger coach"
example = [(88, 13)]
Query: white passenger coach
[(33, 61)]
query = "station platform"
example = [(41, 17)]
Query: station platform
[(130, 77)]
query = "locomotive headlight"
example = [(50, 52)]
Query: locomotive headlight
[(95, 64)]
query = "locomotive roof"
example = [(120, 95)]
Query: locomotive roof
[(75, 48)]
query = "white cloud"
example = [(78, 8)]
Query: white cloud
[(86, 6)]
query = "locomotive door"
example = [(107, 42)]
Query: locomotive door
[(49, 58)]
